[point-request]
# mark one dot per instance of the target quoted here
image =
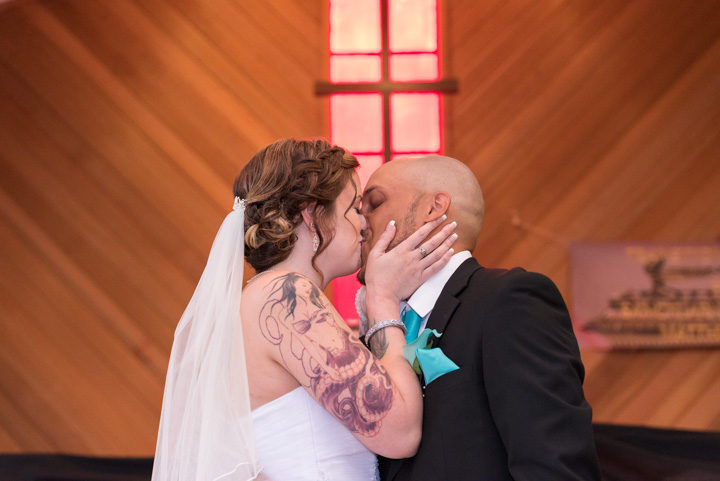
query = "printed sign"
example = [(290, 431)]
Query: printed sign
[(645, 295)]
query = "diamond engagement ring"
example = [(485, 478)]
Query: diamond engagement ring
[(423, 252)]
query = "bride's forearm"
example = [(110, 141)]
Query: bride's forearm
[(402, 426)]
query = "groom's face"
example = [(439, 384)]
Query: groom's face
[(387, 197)]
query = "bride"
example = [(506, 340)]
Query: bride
[(275, 385)]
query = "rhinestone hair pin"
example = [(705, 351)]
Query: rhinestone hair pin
[(238, 203)]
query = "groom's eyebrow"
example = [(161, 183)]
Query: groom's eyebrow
[(368, 190)]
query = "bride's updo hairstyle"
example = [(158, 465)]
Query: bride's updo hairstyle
[(278, 183)]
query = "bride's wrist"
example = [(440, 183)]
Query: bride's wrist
[(376, 296), (386, 336), (380, 309)]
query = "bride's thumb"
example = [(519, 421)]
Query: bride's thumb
[(384, 241)]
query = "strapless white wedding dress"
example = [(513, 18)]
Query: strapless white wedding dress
[(297, 439)]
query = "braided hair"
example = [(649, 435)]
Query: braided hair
[(280, 181)]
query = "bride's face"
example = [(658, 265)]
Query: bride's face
[(342, 256)]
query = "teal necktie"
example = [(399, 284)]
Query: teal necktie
[(412, 321)]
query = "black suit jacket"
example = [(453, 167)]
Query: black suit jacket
[(515, 410)]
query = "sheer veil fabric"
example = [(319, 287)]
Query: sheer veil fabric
[(205, 431)]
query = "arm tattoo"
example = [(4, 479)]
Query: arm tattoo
[(379, 344), (340, 373)]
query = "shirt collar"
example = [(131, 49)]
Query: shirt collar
[(424, 298)]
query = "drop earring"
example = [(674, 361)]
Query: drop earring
[(316, 239)]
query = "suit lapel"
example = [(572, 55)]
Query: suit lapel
[(447, 302), (439, 318)]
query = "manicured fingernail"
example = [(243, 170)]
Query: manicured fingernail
[(454, 236), (444, 217), (451, 250), (392, 222), (454, 224)]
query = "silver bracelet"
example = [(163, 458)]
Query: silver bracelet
[(382, 325)]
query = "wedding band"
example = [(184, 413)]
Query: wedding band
[(423, 252)]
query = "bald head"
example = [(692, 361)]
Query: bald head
[(432, 178)]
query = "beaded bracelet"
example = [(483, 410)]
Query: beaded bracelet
[(382, 325)]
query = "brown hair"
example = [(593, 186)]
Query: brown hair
[(278, 183)]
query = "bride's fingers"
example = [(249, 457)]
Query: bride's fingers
[(419, 235), (436, 241), (439, 251), (437, 265), (385, 239)]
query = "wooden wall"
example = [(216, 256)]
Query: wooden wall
[(123, 126), (124, 122), (595, 121)]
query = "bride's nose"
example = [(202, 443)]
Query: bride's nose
[(363, 223)]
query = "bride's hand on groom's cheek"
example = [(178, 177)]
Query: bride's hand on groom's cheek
[(396, 274)]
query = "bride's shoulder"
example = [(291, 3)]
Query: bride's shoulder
[(266, 279), (277, 284)]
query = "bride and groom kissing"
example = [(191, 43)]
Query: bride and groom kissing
[(461, 372)]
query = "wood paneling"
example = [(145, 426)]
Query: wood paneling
[(595, 121), (123, 124)]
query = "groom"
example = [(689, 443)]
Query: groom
[(515, 409)]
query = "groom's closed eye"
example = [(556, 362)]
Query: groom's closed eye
[(371, 200), (368, 207)]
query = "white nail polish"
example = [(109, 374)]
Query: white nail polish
[(444, 217), (454, 236), (451, 250), (454, 224), (392, 222)]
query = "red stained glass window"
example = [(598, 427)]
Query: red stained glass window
[(355, 68), (356, 121), (355, 26), (344, 289), (368, 164), (413, 67), (359, 121), (415, 122), (413, 25)]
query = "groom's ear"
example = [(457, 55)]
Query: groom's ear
[(439, 205)]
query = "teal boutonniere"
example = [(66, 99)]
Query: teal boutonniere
[(427, 360)]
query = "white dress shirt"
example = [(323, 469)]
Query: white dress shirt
[(424, 298)]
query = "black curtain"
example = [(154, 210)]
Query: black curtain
[(627, 453)]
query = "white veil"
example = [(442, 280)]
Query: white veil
[(205, 430)]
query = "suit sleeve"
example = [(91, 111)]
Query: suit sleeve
[(533, 375)]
